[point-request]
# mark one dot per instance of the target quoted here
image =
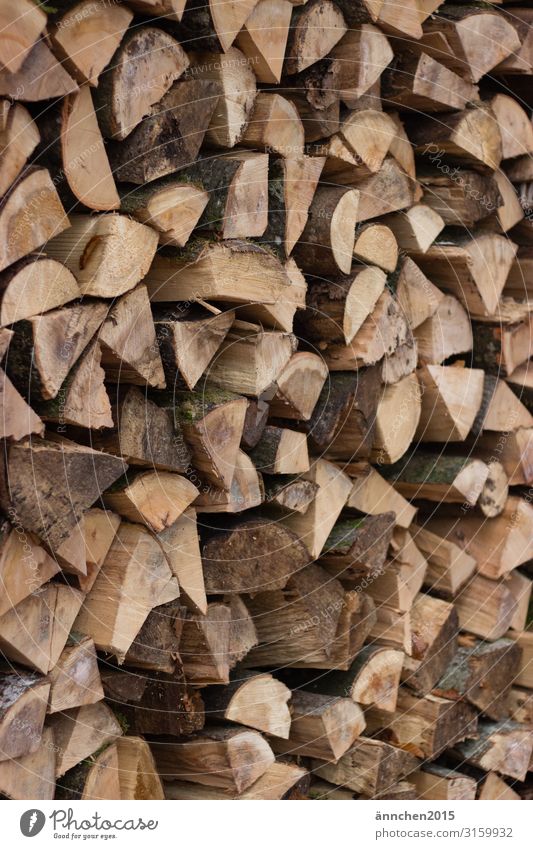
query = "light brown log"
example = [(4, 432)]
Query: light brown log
[(403, 21), (24, 565), (364, 52), (298, 386), (256, 700), (230, 758), (263, 38), (315, 29), (485, 608), (358, 547), (321, 726), (275, 126), (416, 229), (32, 776), (470, 137), (449, 567), (80, 732), (400, 402), (171, 206), (450, 401), (292, 185), (461, 197), (99, 529), (24, 696), (515, 127), (156, 499), (276, 783), (18, 420), (134, 576), (368, 767), (35, 285), (75, 679), (495, 788), (521, 588), (372, 494), (281, 451), (19, 136), (359, 148), (421, 83), (418, 297), (182, 550), (137, 773), (41, 77), (205, 645), (246, 490), (127, 338), (375, 245), (438, 477), (435, 628), (35, 631), (504, 747), (444, 333), (20, 27), (95, 777), (434, 782)]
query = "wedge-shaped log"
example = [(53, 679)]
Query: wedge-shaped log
[(315, 29), (358, 547), (52, 483), (31, 776), (229, 758), (444, 333), (36, 630), (278, 782), (450, 401), (34, 285), (41, 77), (434, 630), (292, 185), (95, 777), (275, 126), (437, 782), (75, 679), (254, 699), (438, 477), (205, 645), (504, 747), (134, 576), (371, 493), (321, 726), (263, 38), (449, 566), (19, 136), (485, 608), (246, 490), (254, 556), (156, 499), (214, 25), (281, 451), (24, 696), (81, 732), (24, 566), (298, 387), (471, 137), (420, 82), (461, 199), (137, 773), (392, 441), (250, 359), (368, 767)]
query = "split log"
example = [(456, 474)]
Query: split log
[(314, 526), (278, 782), (21, 27), (461, 29), (363, 54), (232, 81), (32, 776), (417, 228), (289, 492), (358, 547), (137, 773), (24, 565), (521, 705), (81, 732), (482, 675), (169, 138), (34, 285), (18, 420), (155, 703), (498, 545), (392, 628), (96, 777), (403, 23), (510, 212), (501, 411), (155, 499), (145, 65), (99, 529), (144, 434), (182, 550), (188, 340), (371, 493), (517, 283), (229, 758), (207, 272), (495, 788), (246, 490), (525, 642), (485, 608), (24, 696), (369, 767), (275, 126), (521, 588), (405, 398), (337, 309), (515, 126), (75, 680), (358, 150), (172, 206), (156, 646), (263, 38), (85, 37), (36, 630), (375, 245), (96, 248), (213, 25), (52, 483), (449, 566), (212, 422), (133, 577), (326, 244), (421, 83), (250, 359), (434, 782), (504, 747), (323, 727), (502, 345), (471, 137), (461, 197), (281, 451), (451, 398), (438, 477), (82, 171), (253, 556), (417, 296), (21, 232), (41, 77), (426, 726), (315, 30), (127, 338), (291, 186), (435, 628), (298, 387), (46, 347), (388, 190), (445, 333), (256, 700), (19, 136), (205, 646)]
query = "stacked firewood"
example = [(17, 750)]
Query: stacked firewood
[(267, 421)]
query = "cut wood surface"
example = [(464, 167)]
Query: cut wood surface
[(266, 322)]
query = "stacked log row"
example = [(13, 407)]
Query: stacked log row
[(267, 422)]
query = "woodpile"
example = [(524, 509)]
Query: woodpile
[(265, 328)]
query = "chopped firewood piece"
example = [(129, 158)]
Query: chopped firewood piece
[(34, 285), (321, 726), (188, 341), (21, 26), (415, 229), (450, 401), (449, 567), (75, 680), (363, 54), (81, 732), (281, 451), (254, 556), (438, 477), (31, 776), (298, 387), (263, 38), (291, 186), (19, 136), (23, 700), (24, 566), (137, 773), (434, 628), (422, 83), (485, 608), (18, 420), (254, 699), (358, 547), (471, 137), (368, 767), (316, 27), (289, 492), (99, 529), (245, 492), (375, 245), (459, 200), (278, 782), (155, 498), (501, 346), (504, 747), (133, 577), (371, 493), (275, 126), (95, 777), (230, 758), (444, 333), (434, 782), (250, 359), (41, 77), (391, 441)]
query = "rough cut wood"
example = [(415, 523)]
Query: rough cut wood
[(449, 567), (256, 700), (230, 758), (137, 773), (281, 451), (435, 628), (275, 126), (41, 77), (321, 726), (298, 387), (254, 556), (471, 137), (291, 186), (19, 420), (357, 547), (445, 333), (420, 82), (250, 359), (33, 285), (370, 766), (31, 776), (437, 477), (315, 29), (19, 136), (156, 499), (375, 245), (391, 443), (450, 401), (278, 782), (263, 38), (81, 732), (485, 608), (433, 781), (96, 777), (504, 747), (24, 566), (75, 680), (24, 696), (21, 27), (371, 493), (246, 490)]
